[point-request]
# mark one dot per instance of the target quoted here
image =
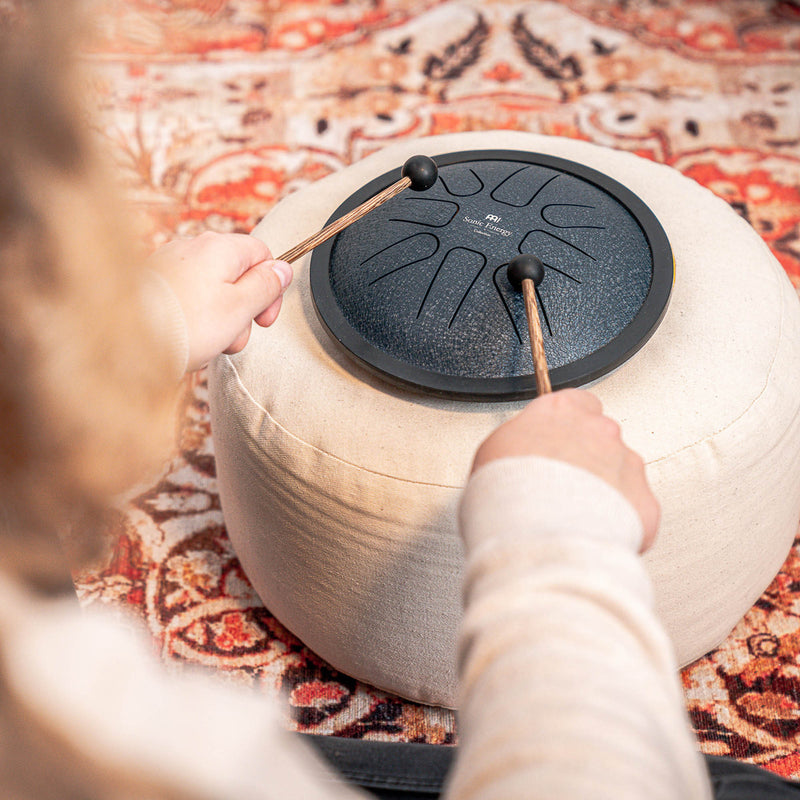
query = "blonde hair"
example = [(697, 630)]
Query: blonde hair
[(84, 392)]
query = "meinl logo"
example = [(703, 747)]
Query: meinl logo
[(492, 217)]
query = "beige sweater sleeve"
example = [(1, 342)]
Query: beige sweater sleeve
[(86, 710), (569, 685)]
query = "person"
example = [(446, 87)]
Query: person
[(569, 683)]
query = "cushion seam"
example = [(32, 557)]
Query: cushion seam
[(654, 461), (319, 450)]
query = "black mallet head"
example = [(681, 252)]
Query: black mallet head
[(522, 267), (422, 171)]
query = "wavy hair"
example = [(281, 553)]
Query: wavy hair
[(84, 388)]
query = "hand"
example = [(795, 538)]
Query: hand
[(569, 426), (223, 282)]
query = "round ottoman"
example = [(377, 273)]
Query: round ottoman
[(340, 490)]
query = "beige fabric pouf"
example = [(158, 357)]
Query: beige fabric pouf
[(339, 491)]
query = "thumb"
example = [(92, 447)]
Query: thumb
[(261, 285)]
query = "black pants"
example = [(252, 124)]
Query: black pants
[(395, 771)]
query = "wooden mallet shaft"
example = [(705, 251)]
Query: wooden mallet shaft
[(537, 339), (343, 222), (418, 173), (526, 272)]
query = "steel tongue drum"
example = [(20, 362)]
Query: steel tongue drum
[(417, 290)]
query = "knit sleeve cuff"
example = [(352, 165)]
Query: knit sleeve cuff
[(540, 497)]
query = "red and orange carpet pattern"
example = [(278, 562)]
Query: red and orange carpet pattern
[(213, 111)]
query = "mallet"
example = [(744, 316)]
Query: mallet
[(526, 272), (418, 173)]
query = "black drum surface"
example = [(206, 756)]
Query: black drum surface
[(417, 289)]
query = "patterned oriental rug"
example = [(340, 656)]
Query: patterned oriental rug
[(214, 111)]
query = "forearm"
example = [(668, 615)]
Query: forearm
[(569, 686)]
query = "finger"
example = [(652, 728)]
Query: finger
[(569, 401), (239, 343), (262, 284), (234, 253), (266, 318), (583, 399), (637, 489), (650, 514), (605, 428)]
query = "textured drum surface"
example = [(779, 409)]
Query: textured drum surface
[(417, 289)]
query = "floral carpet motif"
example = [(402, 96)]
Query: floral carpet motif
[(213, 111)]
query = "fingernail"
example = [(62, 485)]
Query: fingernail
[(284, 272)]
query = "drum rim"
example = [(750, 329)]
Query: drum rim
[(579, 372)]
